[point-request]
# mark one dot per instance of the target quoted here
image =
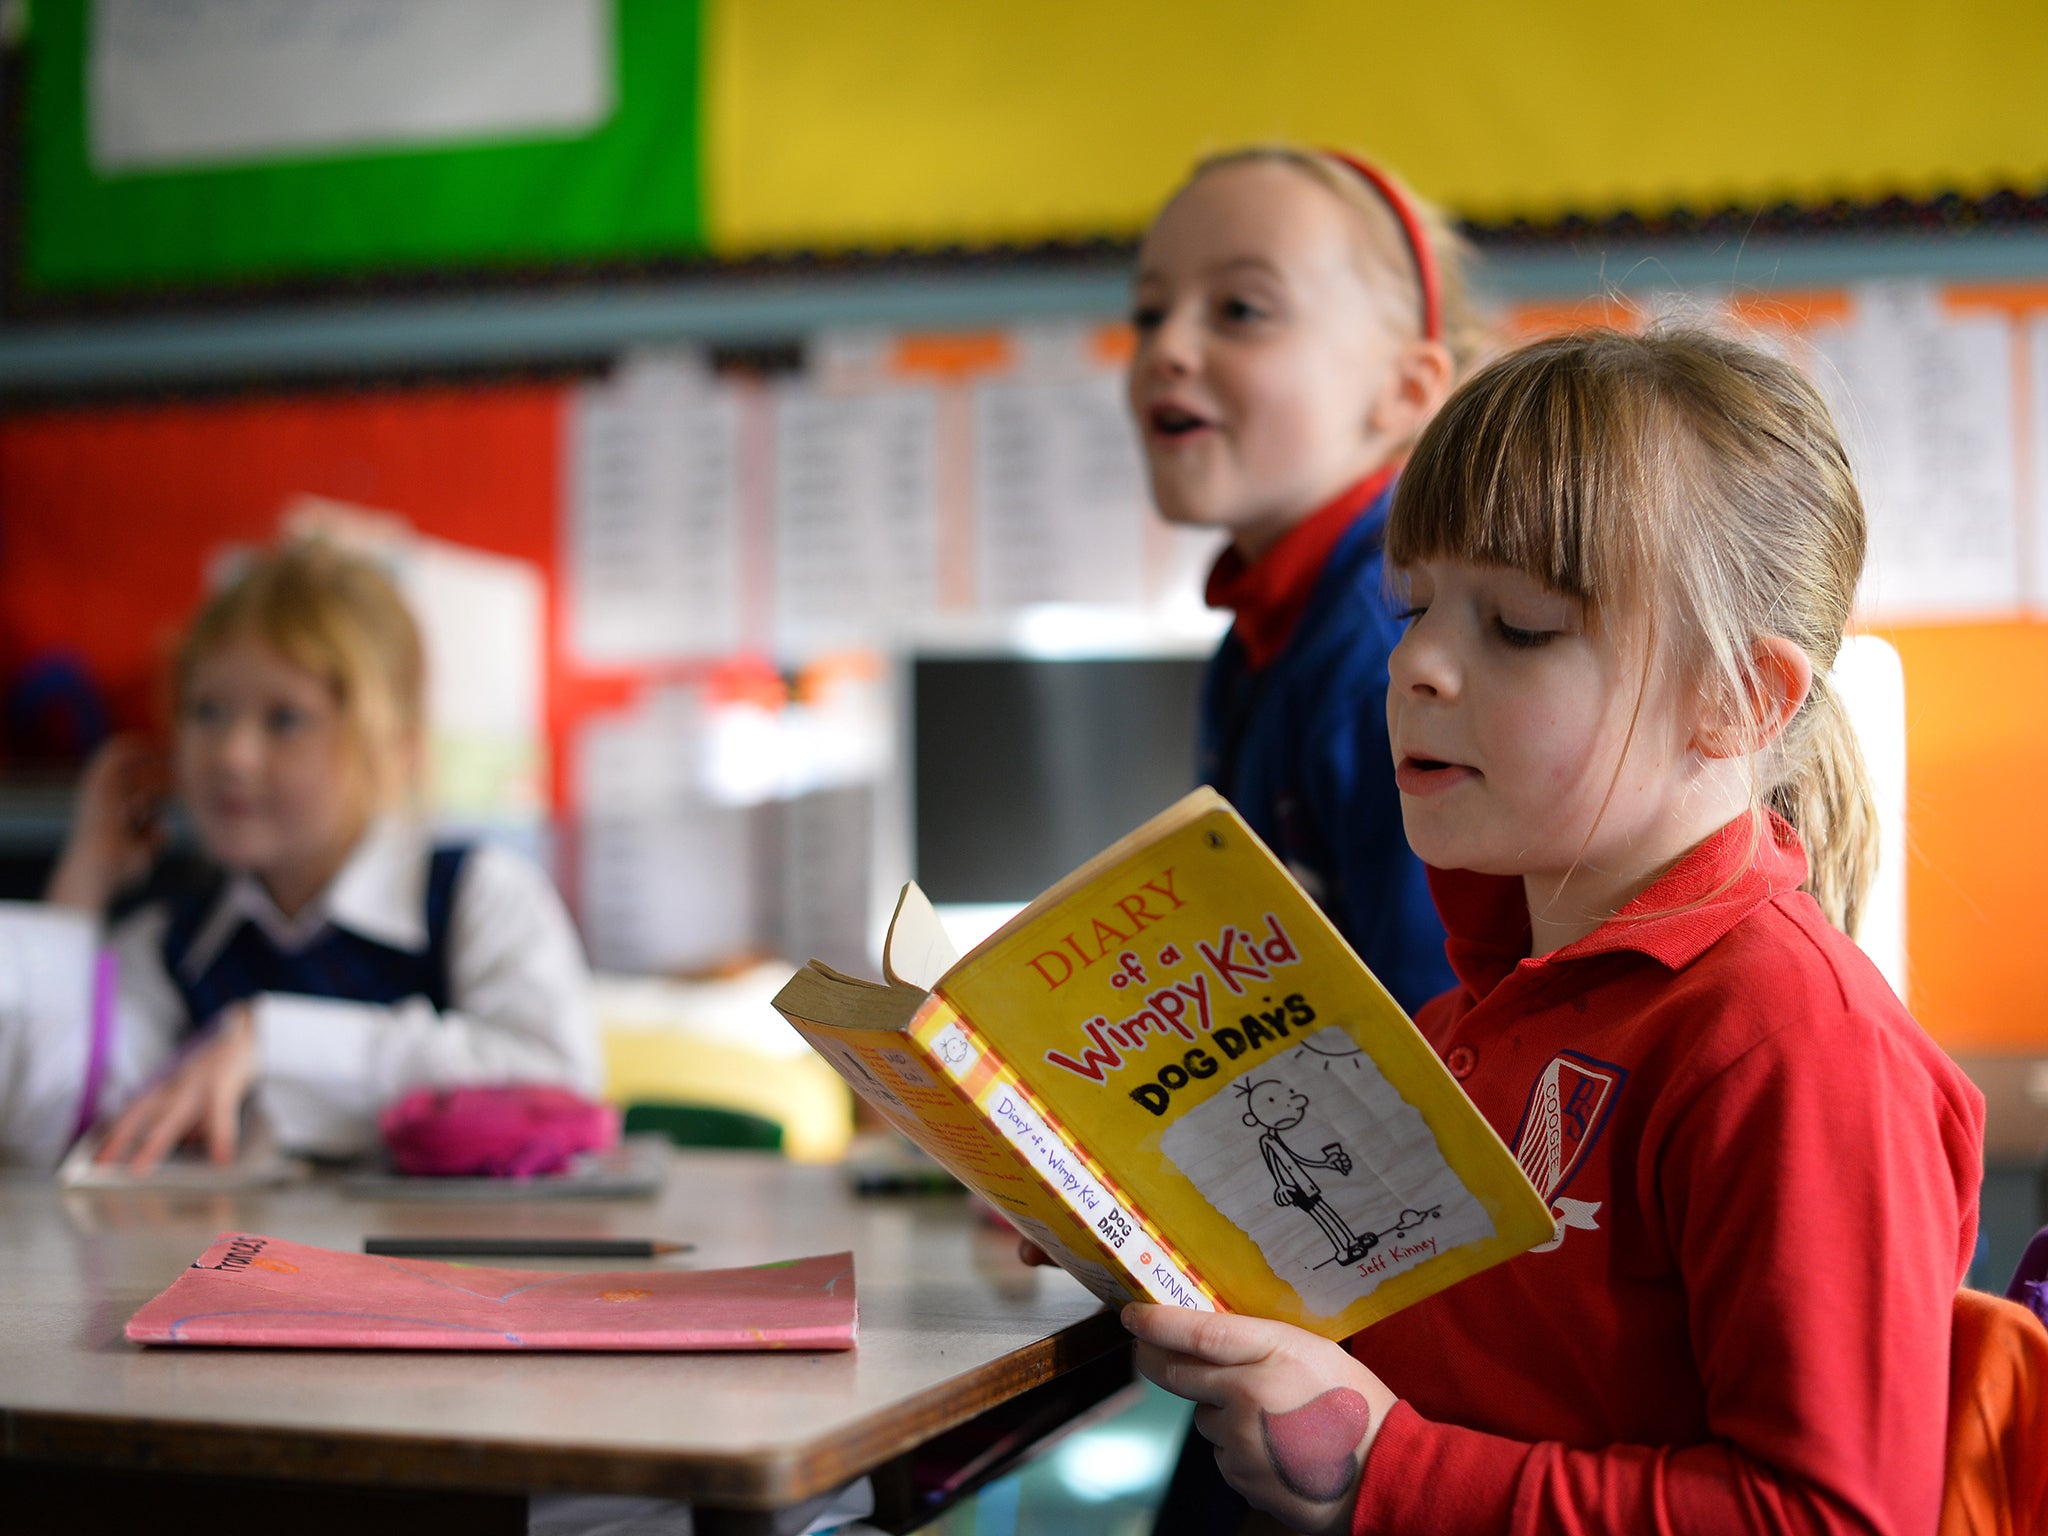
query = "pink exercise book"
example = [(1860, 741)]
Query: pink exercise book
[(263, 1291)]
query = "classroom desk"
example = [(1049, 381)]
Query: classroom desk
[(965, 1358)]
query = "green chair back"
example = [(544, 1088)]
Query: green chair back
[(704, 1125)]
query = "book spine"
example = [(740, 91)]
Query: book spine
[(901, 1080), (1151, 1266)]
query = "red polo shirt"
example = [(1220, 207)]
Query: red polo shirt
[(1766, 1180)]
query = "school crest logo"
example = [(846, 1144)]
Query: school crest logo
[(1567, 1110)]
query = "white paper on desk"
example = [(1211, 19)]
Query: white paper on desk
[(653, 509), (46, 996), (1060, 502), (856, 513), (215, 82), (1924, 398), (257, 1164)]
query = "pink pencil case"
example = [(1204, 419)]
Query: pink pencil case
[(507, 1131)]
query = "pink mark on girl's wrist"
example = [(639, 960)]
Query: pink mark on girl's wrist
[(1312, 1448)]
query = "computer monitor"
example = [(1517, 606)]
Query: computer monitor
[(1024, 767)]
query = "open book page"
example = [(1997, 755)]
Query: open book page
[(820, 993), (918, 952), (915, 954)]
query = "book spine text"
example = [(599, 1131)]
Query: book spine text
[(1006, 1105)]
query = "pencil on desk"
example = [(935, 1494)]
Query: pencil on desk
[(523, 1247)]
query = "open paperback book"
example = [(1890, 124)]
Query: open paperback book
[(1175, 1077)]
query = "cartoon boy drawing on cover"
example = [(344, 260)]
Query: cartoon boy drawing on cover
[(1273, 1105)]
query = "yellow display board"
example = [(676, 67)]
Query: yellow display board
[(904, 122)]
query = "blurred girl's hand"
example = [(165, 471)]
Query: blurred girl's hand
[(202, 1098), (117, 828)]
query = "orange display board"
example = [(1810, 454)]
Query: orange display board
[(1976, 831)]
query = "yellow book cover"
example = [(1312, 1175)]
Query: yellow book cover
[(1175, 1074)]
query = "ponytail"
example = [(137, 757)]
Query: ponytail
[(1826, 795)]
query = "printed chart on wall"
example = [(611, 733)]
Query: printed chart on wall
[(1941, 393), (652, 542), (823, 516), (892, 478)]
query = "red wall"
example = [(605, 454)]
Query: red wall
[(107, 517)]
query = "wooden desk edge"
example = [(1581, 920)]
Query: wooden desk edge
[(768, 1479)]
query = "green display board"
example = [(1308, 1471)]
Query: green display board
[(627, 190)]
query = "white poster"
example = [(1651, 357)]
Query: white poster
[(1923, 394), (2036, 527), (856, 514), (652, 545), (179, 83), (665, 877), (1060, 502)]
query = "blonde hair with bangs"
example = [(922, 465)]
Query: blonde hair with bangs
[(337, 616), (1693, 483), (1386, 261)]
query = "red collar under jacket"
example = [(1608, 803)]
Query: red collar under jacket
[(1269, 595)]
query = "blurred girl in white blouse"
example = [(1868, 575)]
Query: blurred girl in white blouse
[(332, 957)]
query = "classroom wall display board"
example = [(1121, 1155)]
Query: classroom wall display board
[(1941, 393), (231, 142), (725, 556), (1039, 118), (236, 141)]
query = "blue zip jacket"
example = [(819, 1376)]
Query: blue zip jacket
[(1300, 748)]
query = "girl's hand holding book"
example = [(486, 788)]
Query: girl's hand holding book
[(1292, 1416)]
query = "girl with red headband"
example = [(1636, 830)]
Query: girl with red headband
[(1299, 317)]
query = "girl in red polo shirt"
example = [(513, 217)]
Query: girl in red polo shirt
[(1629, 562)]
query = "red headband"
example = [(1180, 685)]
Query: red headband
[(1417, 237)]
